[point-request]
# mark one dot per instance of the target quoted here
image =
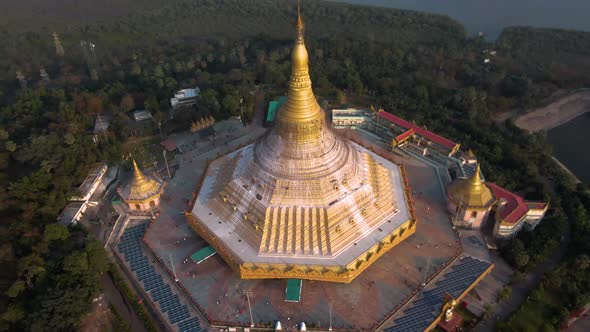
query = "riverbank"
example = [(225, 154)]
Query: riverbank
[(567, 170), (557, 113)]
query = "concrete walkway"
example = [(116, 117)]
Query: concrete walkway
[(521, 290)]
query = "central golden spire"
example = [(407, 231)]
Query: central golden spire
[(301, 104)]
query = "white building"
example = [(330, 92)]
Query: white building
[(72, 213), (350, 118), (90, 183), (141, 115), (185, 97), (535, 214)]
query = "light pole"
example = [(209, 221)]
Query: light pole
[(166, 161), (426, 272), (248, 293), (242, 112), (330, 328), (173, 269)]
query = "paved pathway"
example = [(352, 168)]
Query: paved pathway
[(521, 290)]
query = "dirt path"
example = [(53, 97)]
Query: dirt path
[(556, 113), (124, 308)]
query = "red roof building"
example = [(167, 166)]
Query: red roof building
[(513, 212), (169, 145), (403, 137), (430, 136), (514, 208)]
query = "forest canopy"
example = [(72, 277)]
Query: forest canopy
[(419, 66)]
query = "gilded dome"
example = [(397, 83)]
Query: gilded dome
[(142, 187), (471, 192)]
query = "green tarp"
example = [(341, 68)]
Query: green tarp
[(273, 108), (203, 254), (293, 292)]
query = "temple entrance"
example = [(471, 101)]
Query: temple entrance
[(473, 216), (152, 204)]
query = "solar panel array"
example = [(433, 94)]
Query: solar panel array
[(178, 313), (427, 307)]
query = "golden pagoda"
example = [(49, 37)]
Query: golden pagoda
[(470, 199), (302, 202), (143, 192)]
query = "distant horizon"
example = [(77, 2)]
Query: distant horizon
[(491, 17)]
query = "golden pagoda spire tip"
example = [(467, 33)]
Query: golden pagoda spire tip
[(299, 24), (476, 178), (137, 173), (301, 104)]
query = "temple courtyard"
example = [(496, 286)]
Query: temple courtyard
[(366, 301)]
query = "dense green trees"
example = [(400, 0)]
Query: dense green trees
[(418, 66)]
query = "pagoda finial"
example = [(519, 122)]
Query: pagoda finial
[(299, 24), (475, 180), (141, 185), (301, 104), (137, 173)]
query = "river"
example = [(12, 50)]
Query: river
[(491, 16), (570, 146)]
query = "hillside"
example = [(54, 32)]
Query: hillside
[(553, 55), (30, 42)]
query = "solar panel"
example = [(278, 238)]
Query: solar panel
[(130, 246), (429, 302)]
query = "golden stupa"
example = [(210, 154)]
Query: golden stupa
[(471, 192), (302, 202), (143, 192)]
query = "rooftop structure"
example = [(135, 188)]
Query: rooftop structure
[(350, 117), (273, 108), (71, 213), (470, 200), (471, 192), (302, 202), (428, 307), (185, 97), (90, 183), (141, 115), (169, 145), (101, 124), (514, 212), (202, 123), (445, 145), (143, 192)]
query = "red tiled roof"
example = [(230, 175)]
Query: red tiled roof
[(419, 130), (169, 144), (515, 208), (405, 135)]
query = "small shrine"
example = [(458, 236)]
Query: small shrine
[(450, 320), (143, 193)]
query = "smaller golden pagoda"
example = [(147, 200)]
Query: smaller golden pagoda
[(470, 200), (143, 192)]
